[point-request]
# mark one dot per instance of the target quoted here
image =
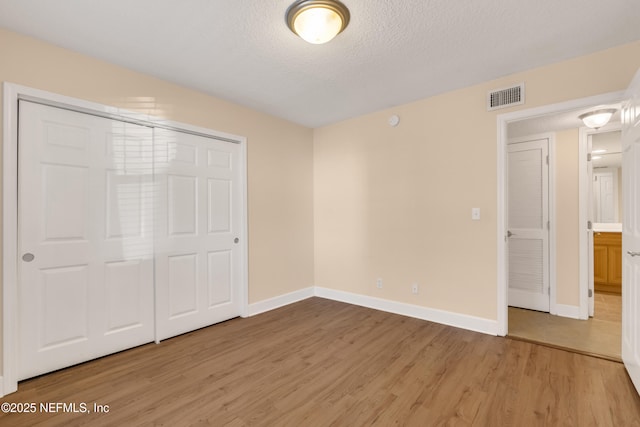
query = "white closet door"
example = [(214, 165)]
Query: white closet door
[(197, 254), (85, 237), (528, 211)]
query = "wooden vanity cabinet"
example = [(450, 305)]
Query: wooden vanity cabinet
[(607, 262)]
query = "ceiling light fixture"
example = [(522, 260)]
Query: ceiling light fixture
[(317, 21), (598, 118)]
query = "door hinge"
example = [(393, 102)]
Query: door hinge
[(548, 225), (588, 157), (589, 225), (590, 293), (548, 290), (547, 159)]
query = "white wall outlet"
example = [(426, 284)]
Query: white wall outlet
[(414, 288), (475, 214), (379, 283)]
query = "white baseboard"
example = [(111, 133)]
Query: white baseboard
[(472, 323), (572, 311), (279, 301), (7, 385), (457, 320)]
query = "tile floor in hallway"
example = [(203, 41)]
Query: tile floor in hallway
[(600, 335)]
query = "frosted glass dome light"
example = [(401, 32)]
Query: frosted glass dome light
[(597, 119), (317, 21)]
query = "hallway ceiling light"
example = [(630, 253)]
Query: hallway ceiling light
[(598, 118), (317, 21)]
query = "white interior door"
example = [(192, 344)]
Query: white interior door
[(197, 250), (85, 237), (605, 199), (631, 232), (528, 224)]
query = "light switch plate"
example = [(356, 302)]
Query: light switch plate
[(475, 214)]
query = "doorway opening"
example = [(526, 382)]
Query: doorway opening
[(568, 323)]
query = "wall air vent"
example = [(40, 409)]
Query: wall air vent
[(507, 97)]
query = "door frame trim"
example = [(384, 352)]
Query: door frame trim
[(502, 121), (11, 94)]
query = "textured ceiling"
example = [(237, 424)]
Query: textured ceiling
[(393, 51)]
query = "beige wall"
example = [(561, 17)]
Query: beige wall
[(345, 204), (567, 211), (395, 203), (280, 154)]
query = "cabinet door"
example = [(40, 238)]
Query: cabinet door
[(600, 265), (615, 266)]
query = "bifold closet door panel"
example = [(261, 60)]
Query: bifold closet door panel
[(197, 229), (85, 237)]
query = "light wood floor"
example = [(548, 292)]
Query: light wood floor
[(324, 363), (600, 335)]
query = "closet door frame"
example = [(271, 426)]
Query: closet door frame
[(12, 93)]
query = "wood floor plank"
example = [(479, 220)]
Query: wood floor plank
[(324, 363)]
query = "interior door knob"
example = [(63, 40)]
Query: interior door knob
[(28, 257)]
